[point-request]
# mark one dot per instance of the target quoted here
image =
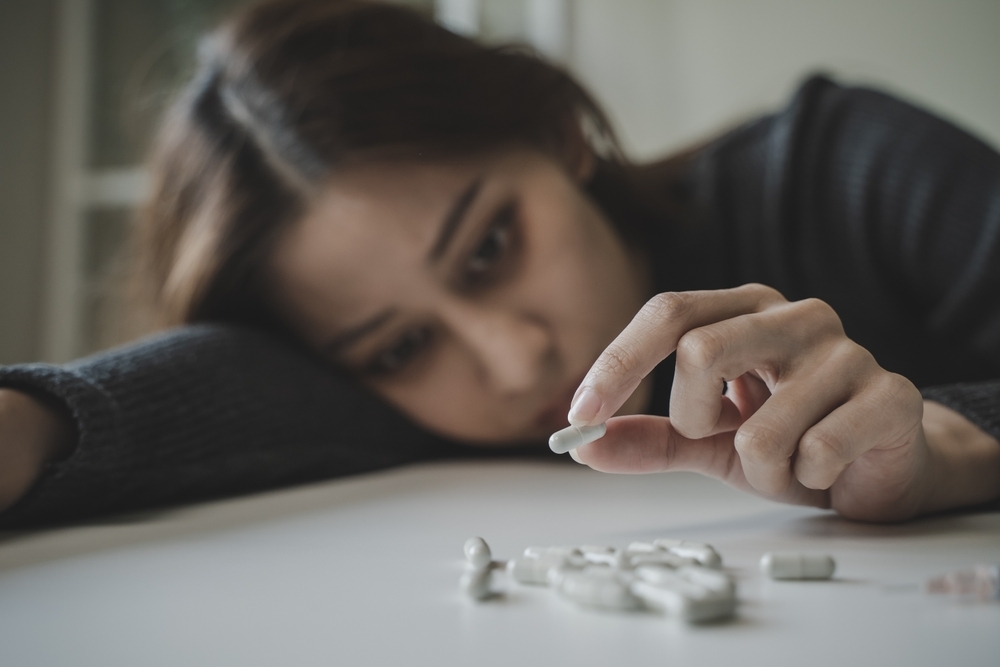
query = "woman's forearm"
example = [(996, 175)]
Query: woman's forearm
[(31, 434), (195, 413), (965, 460)]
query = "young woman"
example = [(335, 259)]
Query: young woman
[(386, 243)]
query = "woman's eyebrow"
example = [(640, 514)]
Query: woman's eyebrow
[(454, 219), (345, 339), (349, 337)]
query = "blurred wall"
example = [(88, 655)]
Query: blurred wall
[(669, 72), (673, 71), (25, 88)]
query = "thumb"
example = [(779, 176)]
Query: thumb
[(644, 443)]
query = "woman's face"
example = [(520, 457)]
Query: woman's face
[(473, 295)]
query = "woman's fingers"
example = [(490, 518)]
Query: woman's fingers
[(860, 425), (643, 444), (802, 401), (792, 449), (778, 341), (651, 336), (747, 392), (646, 444), (767, 442), (771, 437)]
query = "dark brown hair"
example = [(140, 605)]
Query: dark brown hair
[(287, 91)]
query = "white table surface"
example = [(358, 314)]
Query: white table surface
[(364, 571)]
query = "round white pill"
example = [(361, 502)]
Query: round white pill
[(793, 565), (572, 437), (477, 552)]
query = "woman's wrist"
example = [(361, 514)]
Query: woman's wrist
[(31, 434), (964, 466)]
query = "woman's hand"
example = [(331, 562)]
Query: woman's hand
[(31, 434), (808, 416)]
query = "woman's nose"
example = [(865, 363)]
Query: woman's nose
[(510, 348)]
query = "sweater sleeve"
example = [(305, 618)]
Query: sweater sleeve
[(200, 412)]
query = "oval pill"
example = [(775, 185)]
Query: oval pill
[(793, 565), (572, 437)]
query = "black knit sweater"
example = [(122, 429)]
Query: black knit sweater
[(890, 215)]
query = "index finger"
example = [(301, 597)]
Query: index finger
[(651, 337)]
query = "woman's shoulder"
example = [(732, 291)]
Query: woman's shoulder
[(826, 123)]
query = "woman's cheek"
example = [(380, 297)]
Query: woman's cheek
[(444, 397)]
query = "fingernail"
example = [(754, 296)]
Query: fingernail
[(575, 456), (584, 408)]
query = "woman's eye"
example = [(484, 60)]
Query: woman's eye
[(400, 353), (493, 246)]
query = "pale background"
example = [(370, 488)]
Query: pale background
[(81, 82)]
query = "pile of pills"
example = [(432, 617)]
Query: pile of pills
[(981, 583), (682, 579)]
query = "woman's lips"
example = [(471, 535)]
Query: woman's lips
[(553, 416)]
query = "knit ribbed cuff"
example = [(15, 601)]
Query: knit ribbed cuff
[(92, 410), (979, 402)]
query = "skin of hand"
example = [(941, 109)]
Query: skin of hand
[(31, 434), (807, 417)]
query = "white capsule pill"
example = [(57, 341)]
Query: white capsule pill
[(705, 554), (477, 552), (527, 570), (792, 565), (598, 587), (615, 559), (692, 608), (660, 558), (537, 552), (475, 583), (695, 581), (572, 437), (714, 580), (640, 548), (594, 549)]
